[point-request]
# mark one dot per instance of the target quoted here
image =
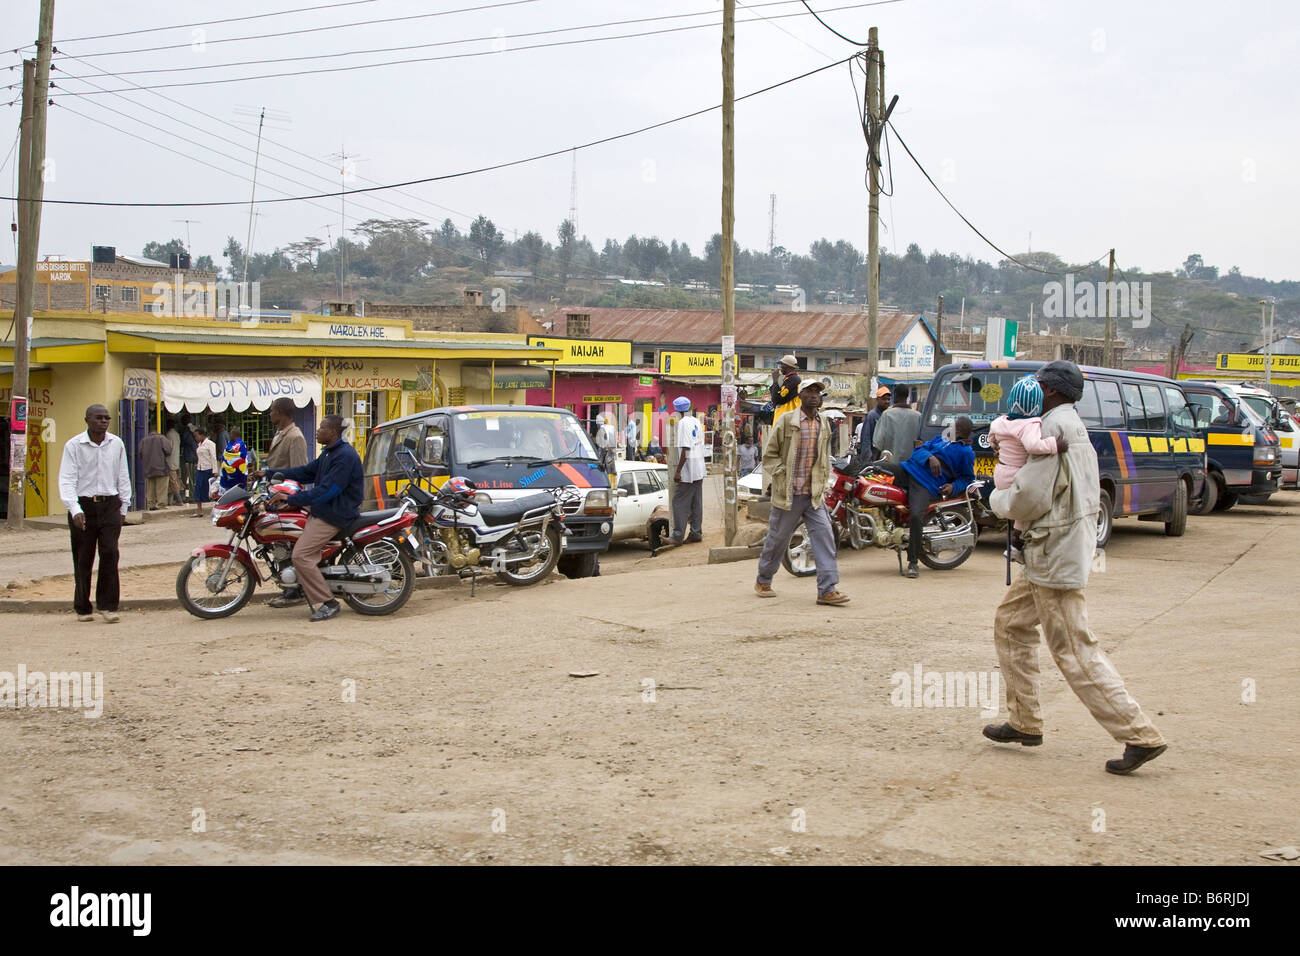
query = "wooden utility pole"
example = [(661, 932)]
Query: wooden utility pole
[(30, 160), (938, 331), (874, 96), (728, 396), (1108, 349)]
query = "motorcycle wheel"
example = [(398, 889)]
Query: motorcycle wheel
[(400, 569), (798, 557), (199, 575), (937, 523), (548, 553)]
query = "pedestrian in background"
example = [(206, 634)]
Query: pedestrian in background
[(797, 458), (152, 453), (174, 465), (217, 432), (748, 456), (205, 456), (189, 456), (1058, 496), (688, 493), (867, 431), (288, 446), (95, 487), (899, 428), (630, 438)]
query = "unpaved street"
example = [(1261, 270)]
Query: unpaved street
[(719, 728)]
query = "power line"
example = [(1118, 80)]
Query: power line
[(442, 43), (208, 23), (463, 173), (452, 56), (831, 28)]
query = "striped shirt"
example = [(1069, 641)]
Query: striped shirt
[(805, 455)]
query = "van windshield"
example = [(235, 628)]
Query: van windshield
[(979, 394), (495, 435), (1261, 406)]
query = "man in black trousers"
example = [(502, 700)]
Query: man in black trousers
[(95, 486)]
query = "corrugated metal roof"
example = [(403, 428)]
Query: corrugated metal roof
[(702, 329)]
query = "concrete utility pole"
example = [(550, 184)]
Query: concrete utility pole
[(874, 96), (1268, 347), (31, 190), (728, 396), (1108, 349)]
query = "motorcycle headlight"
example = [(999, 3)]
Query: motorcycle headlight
[(482, 498)]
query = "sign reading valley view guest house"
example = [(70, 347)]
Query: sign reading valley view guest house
[(587, 351)]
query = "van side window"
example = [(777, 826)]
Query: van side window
[(407, 436), (1179, 414), (1155, 407), (1219, 413), (1111, 405), (377, 453), (1087, 406)]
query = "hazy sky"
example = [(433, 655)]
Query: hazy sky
[(1159, 128)]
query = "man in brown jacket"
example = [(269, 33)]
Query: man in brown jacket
[(288, 450), (153, 451), (288, 447)]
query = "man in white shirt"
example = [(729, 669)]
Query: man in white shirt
[(606, 440), (630, 437), (688, 495), (95, 487)]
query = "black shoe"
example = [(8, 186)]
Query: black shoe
[(326, 611), (694, 539), (911, 571), (1006, 734), (1134, 757)]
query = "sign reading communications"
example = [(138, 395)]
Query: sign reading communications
[(586, 351), (690, 363)]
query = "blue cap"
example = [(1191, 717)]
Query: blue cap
[(681, 403)]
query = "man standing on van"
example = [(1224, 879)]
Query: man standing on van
[(1059, 498)]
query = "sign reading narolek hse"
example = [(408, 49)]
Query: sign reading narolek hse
[(587, 351)]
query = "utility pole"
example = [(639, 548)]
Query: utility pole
[(1108, 349), (771, 223), (874, 95), (1268, 347), (31, 168), (728, 396), (252, 198), (938, 331)]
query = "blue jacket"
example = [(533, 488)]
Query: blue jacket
[(337, 484), (957, 461)]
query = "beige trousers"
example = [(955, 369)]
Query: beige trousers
[(306, 555), (1063, 616), (156, 491)]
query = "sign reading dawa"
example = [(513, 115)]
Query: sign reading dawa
[(587, 351), (690, 363)]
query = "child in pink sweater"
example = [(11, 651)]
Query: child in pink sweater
[(1017, 435)]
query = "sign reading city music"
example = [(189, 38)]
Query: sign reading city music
[(1254, 362), (690, 363), (587, 351)]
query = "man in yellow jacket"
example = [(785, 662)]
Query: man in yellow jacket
[(797, 458), (785, 387)]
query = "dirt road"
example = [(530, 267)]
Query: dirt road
[(718, 728)]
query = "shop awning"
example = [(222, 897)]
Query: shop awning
[(47, 351), (507, 376), (216, 390)]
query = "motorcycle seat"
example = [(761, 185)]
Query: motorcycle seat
[(368, 518), (508, 512)]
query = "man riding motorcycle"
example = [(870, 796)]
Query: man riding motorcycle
[(937, 469)]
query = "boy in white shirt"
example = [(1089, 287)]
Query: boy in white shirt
[(204, 469)]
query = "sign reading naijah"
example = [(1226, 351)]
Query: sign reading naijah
[(690, 363), (587, 351)]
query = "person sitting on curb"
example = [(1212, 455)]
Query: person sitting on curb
[(797, 457)]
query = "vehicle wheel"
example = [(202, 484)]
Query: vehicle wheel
[(197, 581), (400, 569), (1177, 522), (942, 521), (798, 557), (578, 565), (1210, 497), (1226, 500), (548, 552), (1105, 519)]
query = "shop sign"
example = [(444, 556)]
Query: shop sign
[(1254, 362), (586, 351), (602, 399), (645, 380), (353, 330), (690, 363)]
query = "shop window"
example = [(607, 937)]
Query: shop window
[(747, 361), (130, 293), (102, 292), (647, 358)]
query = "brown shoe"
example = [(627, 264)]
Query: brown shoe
[(763, 590), (834, 599)]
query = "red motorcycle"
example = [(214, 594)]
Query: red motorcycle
[(868, 509), (369, 565)]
